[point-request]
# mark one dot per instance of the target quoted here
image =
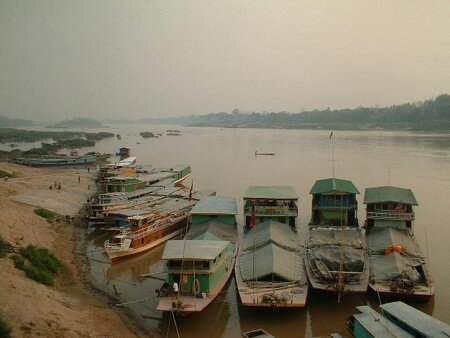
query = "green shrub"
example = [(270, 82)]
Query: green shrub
[(5, 328), (4, 173), (47, 214), (39, 264), (19, 262), (41, 258), (3, 247)]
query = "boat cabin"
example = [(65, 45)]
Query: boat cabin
[(196, 265), (415, 322), (334, 203), (218, 208), (264, 203), (389, 207), (371, 324), (123, 152)]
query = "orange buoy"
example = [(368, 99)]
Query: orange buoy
[(394, 248)]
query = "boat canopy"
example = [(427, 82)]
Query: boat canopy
[(335, 236), (376, 325), (389, 194), (270, 232), (215, 205), (194, 249), (416, 320), (271, 193), (396, 224), (271, 259), (330, 256), (333, 185), (381, 239), (218, 230), (395, 268)]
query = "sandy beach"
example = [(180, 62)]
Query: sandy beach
[(71, 308)]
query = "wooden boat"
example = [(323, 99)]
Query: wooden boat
[(145, 233), (270, 269), (336, 257), (258, 333), (263, 154), (397, 266), (202, 263), (396, 320)]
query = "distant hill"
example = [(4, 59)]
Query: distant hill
[(430, 115), (6, 122), (78, 123)]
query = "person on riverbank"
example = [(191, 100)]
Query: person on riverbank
[(175, 289)]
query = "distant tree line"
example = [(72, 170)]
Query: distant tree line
[(433, 114)]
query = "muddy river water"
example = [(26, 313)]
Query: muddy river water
[(224, 160)]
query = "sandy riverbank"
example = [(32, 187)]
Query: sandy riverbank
[(70, 308)]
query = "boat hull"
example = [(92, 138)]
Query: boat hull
[(421, 295), (61, 162), (198, 304)]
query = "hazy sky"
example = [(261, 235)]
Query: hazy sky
[(127, 59)]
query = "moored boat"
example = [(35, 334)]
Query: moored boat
[(145, 233), (202, 263), (397, 266), (336, 257), (59, 161), (269, 268), (396, 319)]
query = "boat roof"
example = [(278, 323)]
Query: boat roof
[(377, 325), (389, 194), (215, 205), (330, 185), (417, 320), (335, 236), (220, 231), (126, 162), (379, 239), (175, 168), (271, 193), (272, 259), (193, 249), (270, 232)]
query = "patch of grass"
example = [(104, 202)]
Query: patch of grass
[(47, 214), (3, 247), (39, 264), (4, 173), (5, 328)]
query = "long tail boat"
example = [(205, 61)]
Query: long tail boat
[(270, 269), (202, 263), (397, 267), (336, 258)]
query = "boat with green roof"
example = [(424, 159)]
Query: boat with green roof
[(200, 265), (336, 258), (270, 269), (397, 266)]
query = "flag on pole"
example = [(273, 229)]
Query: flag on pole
[(190, 191), (331, 135), (253, 215), (398, 207)]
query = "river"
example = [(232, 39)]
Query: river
[(224, 160)]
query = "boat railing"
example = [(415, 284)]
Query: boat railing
[(272, 210), (391, 215), (334, 206)]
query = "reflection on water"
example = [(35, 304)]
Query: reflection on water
[(224, 160)]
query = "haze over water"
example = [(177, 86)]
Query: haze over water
[(223, 159)]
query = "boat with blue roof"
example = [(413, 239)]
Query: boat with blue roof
[(336, 257), (199, 266), (397, 266), (270, 269)]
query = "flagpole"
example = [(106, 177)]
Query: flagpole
[(332, 152)]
